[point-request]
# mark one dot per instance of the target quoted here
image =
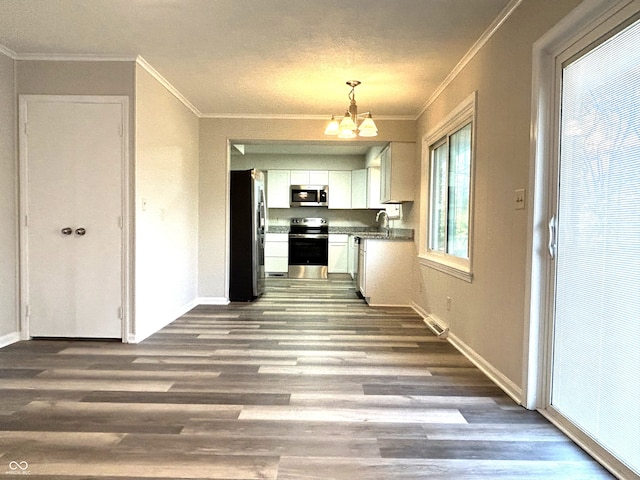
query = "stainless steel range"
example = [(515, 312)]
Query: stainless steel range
[(308, 248)]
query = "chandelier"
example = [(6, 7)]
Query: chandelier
[(348, 127)]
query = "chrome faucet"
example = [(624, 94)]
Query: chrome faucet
[(384, 224)]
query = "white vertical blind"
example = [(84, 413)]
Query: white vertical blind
[(438, 234), (459, 187), (596, 362)]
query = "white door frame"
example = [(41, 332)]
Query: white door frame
[(579, 29), (123, 101)]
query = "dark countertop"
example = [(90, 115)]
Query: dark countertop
[(278, 229), (360, 232), (392, 234)]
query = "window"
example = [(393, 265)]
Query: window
[(594, 377), (448, 166)]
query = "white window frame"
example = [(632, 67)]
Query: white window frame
[(462, 115)]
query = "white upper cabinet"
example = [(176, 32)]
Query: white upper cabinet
[(278, 182), (340, 189), (397, 163), (309, 177), (359, 188), (347, 189), (373, 188), (318, 177), (300, 177)]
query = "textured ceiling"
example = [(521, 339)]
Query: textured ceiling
[(266, 57)]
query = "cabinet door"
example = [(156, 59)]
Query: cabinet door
[(276, 264), (300, 177), (340, 189), (373, 188), (397, 164), (276, 249), (278, 189), (359, 188), (318, 177), (385, 175), (338, 258)]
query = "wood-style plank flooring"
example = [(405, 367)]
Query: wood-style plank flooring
[(306, 383)]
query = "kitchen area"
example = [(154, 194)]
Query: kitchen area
[(336, 210)]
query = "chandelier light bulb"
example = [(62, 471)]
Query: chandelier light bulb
[(347, 123), (368, 127), (333, 128), (348, 126)]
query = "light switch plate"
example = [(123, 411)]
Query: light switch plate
[(519, 199)]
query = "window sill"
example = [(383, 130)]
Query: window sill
[(449, 269)]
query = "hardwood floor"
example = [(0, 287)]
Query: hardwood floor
[(306, 383)]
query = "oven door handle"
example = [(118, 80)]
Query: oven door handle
[(308, 235)]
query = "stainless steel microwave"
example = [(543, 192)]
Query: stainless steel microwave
[(309, 196)]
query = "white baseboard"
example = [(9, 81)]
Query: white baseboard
[(420, 311), (9, 338), (495, 375), (212, 301), (393, 305)]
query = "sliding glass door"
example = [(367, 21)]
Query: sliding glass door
[(595, 239)]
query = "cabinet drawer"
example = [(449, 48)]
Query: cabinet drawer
[(338, 238), (276, 237)]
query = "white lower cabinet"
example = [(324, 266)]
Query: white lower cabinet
[(338, 253), (385, 271), (276, 253)]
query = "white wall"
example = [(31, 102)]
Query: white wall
[(41, 77), (8, 203), (487, 315), (166, 206)]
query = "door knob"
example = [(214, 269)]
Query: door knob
[(66, 231), (80, 231)]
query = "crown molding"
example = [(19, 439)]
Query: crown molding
[(166, 84), (62, 57), (8, 52), (293, 116), (265, 116), (475, 48)]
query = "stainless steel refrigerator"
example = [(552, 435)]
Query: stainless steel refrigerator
[(248, 223)]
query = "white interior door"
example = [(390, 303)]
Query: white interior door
[(595, 373), (73, 158)]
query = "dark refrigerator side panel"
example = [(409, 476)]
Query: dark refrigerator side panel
[(242, 237)]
